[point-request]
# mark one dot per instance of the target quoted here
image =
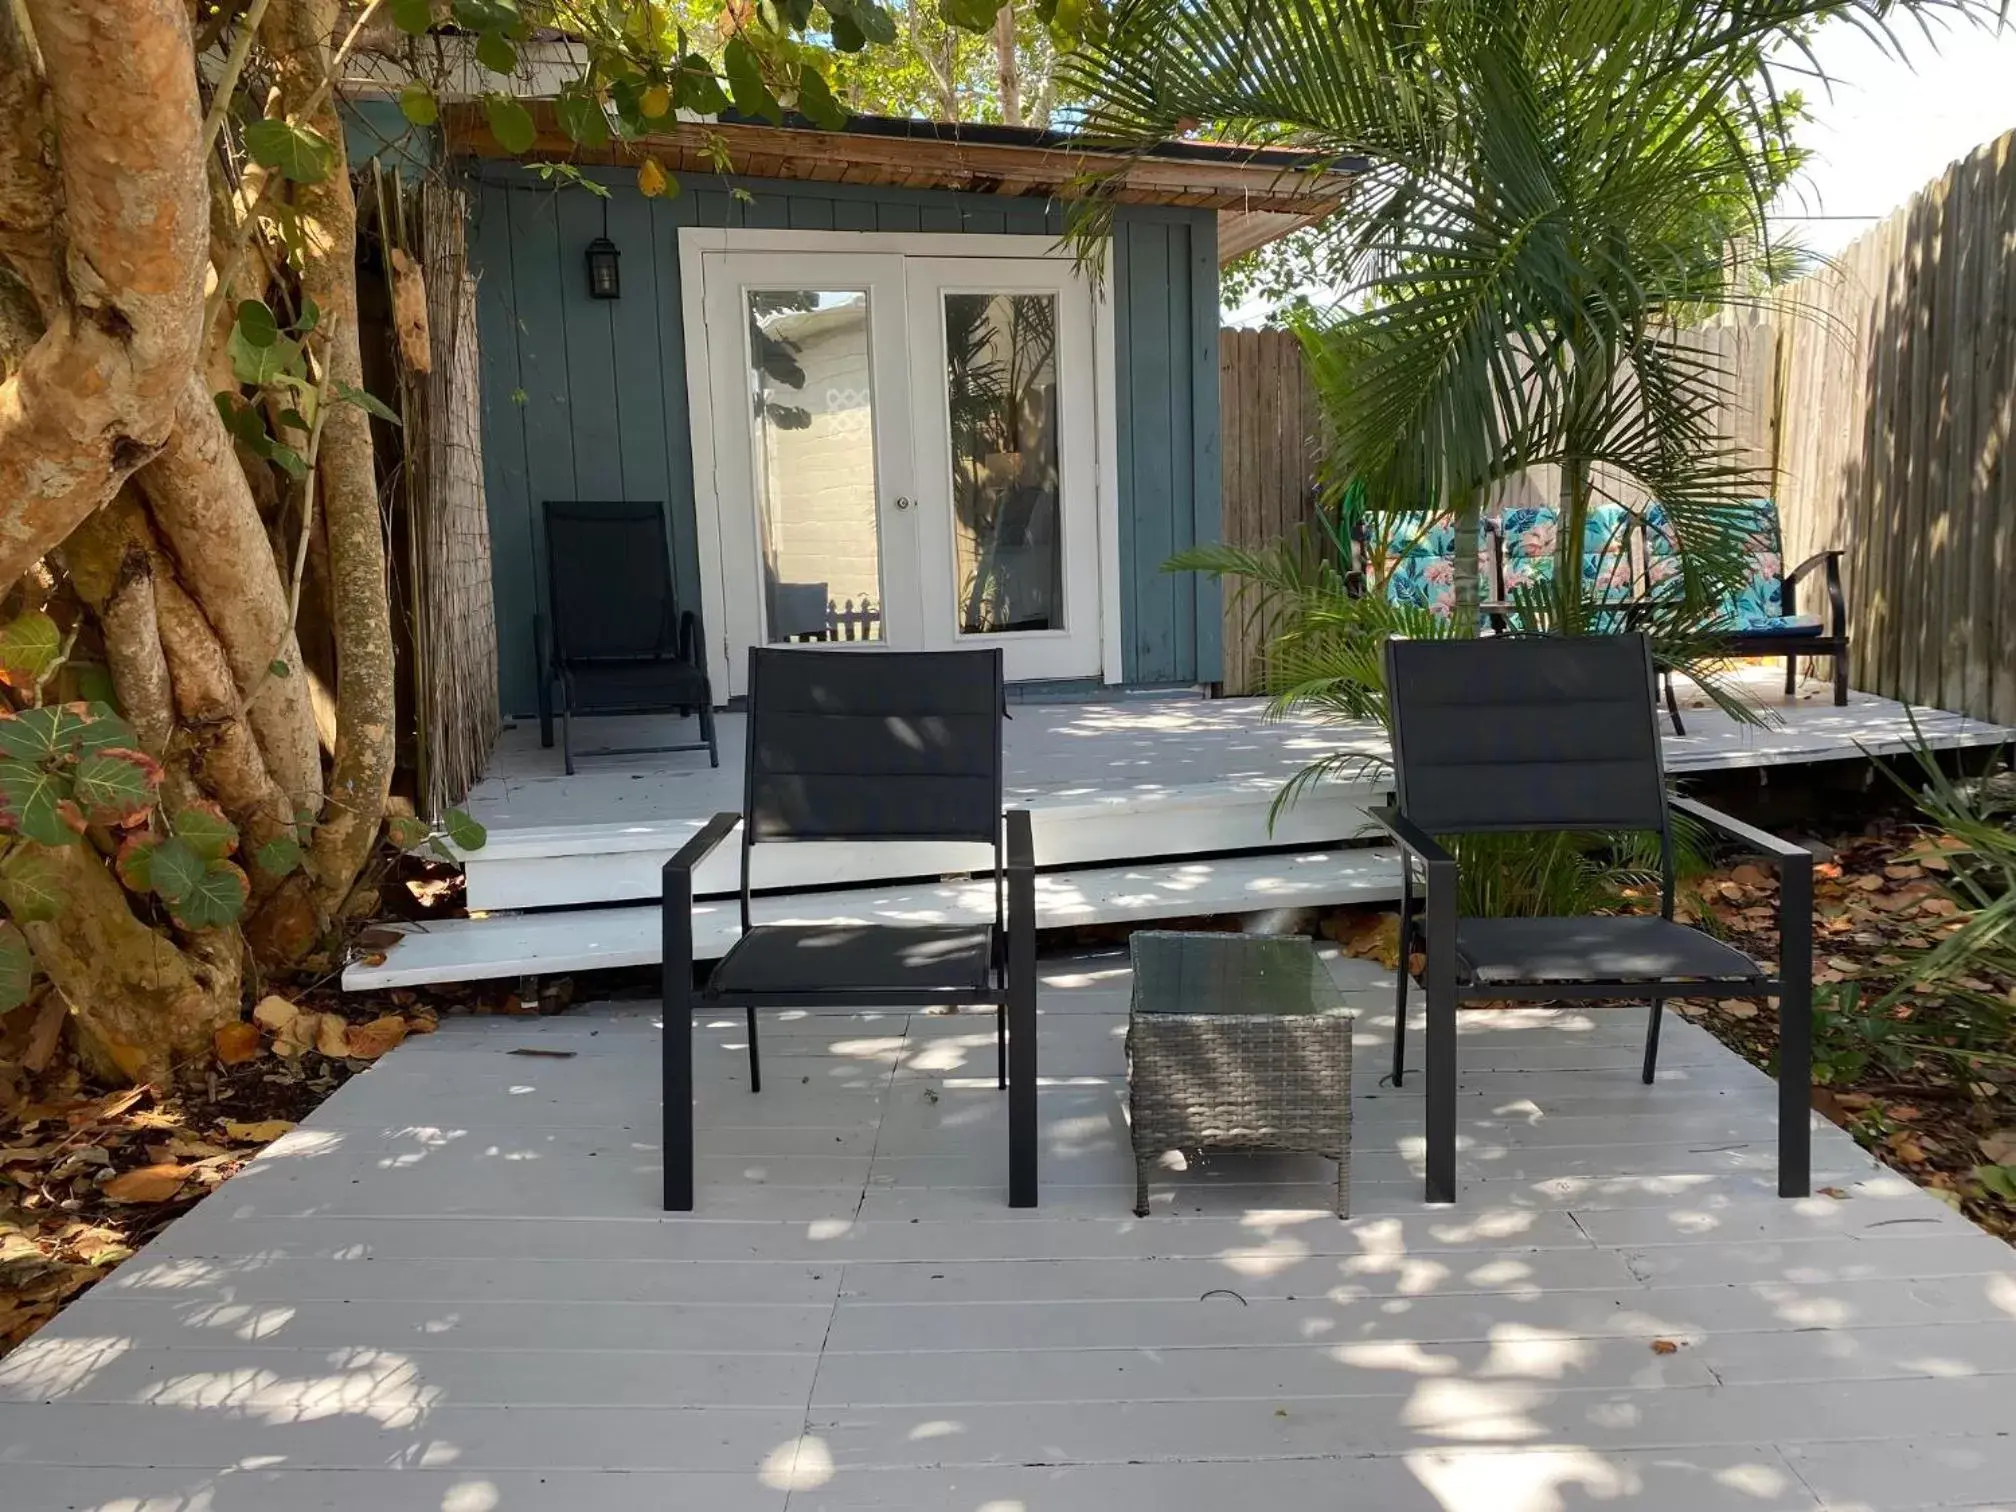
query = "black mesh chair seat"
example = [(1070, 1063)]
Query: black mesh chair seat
[(1630, 949), (611, 687), (614, 637), (1540, 735), (866, 958)]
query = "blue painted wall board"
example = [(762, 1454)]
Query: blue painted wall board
[(604, 403)]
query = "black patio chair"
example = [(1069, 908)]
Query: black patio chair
[(619, 642), (1531, 734), (865, 746)]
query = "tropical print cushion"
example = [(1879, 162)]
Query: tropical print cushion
[(1758, 606), (1417, 555), (1530, 534)]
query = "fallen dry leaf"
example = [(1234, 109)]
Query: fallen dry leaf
[(421, 1023), (1664, 1347), (1835, 1192), (274, 1014), (369, 1041), (153, 1183), (263, 1132), (332, 1036), (1738, 1008), (47, 1030), (238, 1043), (1999, 1148)]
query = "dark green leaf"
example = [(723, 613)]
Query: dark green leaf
[(278, 857), (969, 15), (496, 54), (278, 667), (816, 102), (876, 23), (309, 318), (797, 14), (1999, 1179), (256, 322), (745, 82), (31, 887), (17, 968), (135, 861), (696, 89), (94, 680), (510, 123), (36, 804), (215, 898), (95, 727), (293, 419), (368, 403), (438, 849), (847, 35), (467, 834), (580, 116), (246, 423), (291, 461), (116, 786), (205, 830), (412, 16), (173, 868), (418, 105), (262, 365), (484, 15), (301, 156), (37, 734), (29, 644)]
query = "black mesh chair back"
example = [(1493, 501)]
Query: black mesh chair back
[(609, 575), (874, 745), (1526, 733)]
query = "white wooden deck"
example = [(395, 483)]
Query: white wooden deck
[(451, 1291)]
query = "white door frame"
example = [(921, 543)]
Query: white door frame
[(695, 242)]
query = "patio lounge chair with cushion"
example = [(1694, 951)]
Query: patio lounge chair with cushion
[(1572, 745), (1412, 556), (1762, 617), (865, 746), (1527, 534), (620, 644)]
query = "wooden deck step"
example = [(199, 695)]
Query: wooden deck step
[(521, 944)]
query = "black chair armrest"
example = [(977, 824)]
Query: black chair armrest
[(1762, 841), (1019, 868), (1021, 845), (702, 845), (1837, 606), (1414, 840)]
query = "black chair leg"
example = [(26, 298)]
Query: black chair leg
[(1400, 978), (707, 731), (1791, 675), (755, 1065), (1652, 1040), (1001, 1045), (676, 1041), (1840, 681), (567, 736)]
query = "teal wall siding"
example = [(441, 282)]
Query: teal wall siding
[(587, 399)]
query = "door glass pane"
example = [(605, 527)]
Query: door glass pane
[(813, 422), (1001, 387)]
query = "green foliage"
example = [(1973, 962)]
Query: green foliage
[(457, 829), (30, 645), (418, 105), (510, 122), (30, 886), (17, 968), (300, 155)]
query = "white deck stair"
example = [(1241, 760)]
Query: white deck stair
[(539, 944)]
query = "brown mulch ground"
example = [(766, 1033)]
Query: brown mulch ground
[(1907, 1082)]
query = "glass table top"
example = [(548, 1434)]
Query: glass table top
[(1227, 973)]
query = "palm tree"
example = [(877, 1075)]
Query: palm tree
[(1554, 185)]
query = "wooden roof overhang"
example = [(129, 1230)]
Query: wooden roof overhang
[(1259, 194)]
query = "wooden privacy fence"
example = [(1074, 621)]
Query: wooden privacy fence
[(1896, 389), (1269, 428)]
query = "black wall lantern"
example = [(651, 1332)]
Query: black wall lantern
[(603, 279)]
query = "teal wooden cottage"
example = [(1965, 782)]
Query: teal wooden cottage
[(876, 397)]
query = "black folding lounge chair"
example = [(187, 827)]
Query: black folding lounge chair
[(865, 746), (619, 641), (1526, 734)]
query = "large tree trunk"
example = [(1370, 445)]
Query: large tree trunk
[(1007, 68), (95, 397), (139, 1004)]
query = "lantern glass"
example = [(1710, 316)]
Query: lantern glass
[(603, 279)]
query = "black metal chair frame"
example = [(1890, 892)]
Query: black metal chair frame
[(1831, 642), (1437, 920), (680, 641), (1011, 989)]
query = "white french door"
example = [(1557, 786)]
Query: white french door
[(902, 451)]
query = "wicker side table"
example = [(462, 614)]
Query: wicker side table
[(1236, 1042)]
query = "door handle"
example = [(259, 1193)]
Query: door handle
[(902, 503)]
